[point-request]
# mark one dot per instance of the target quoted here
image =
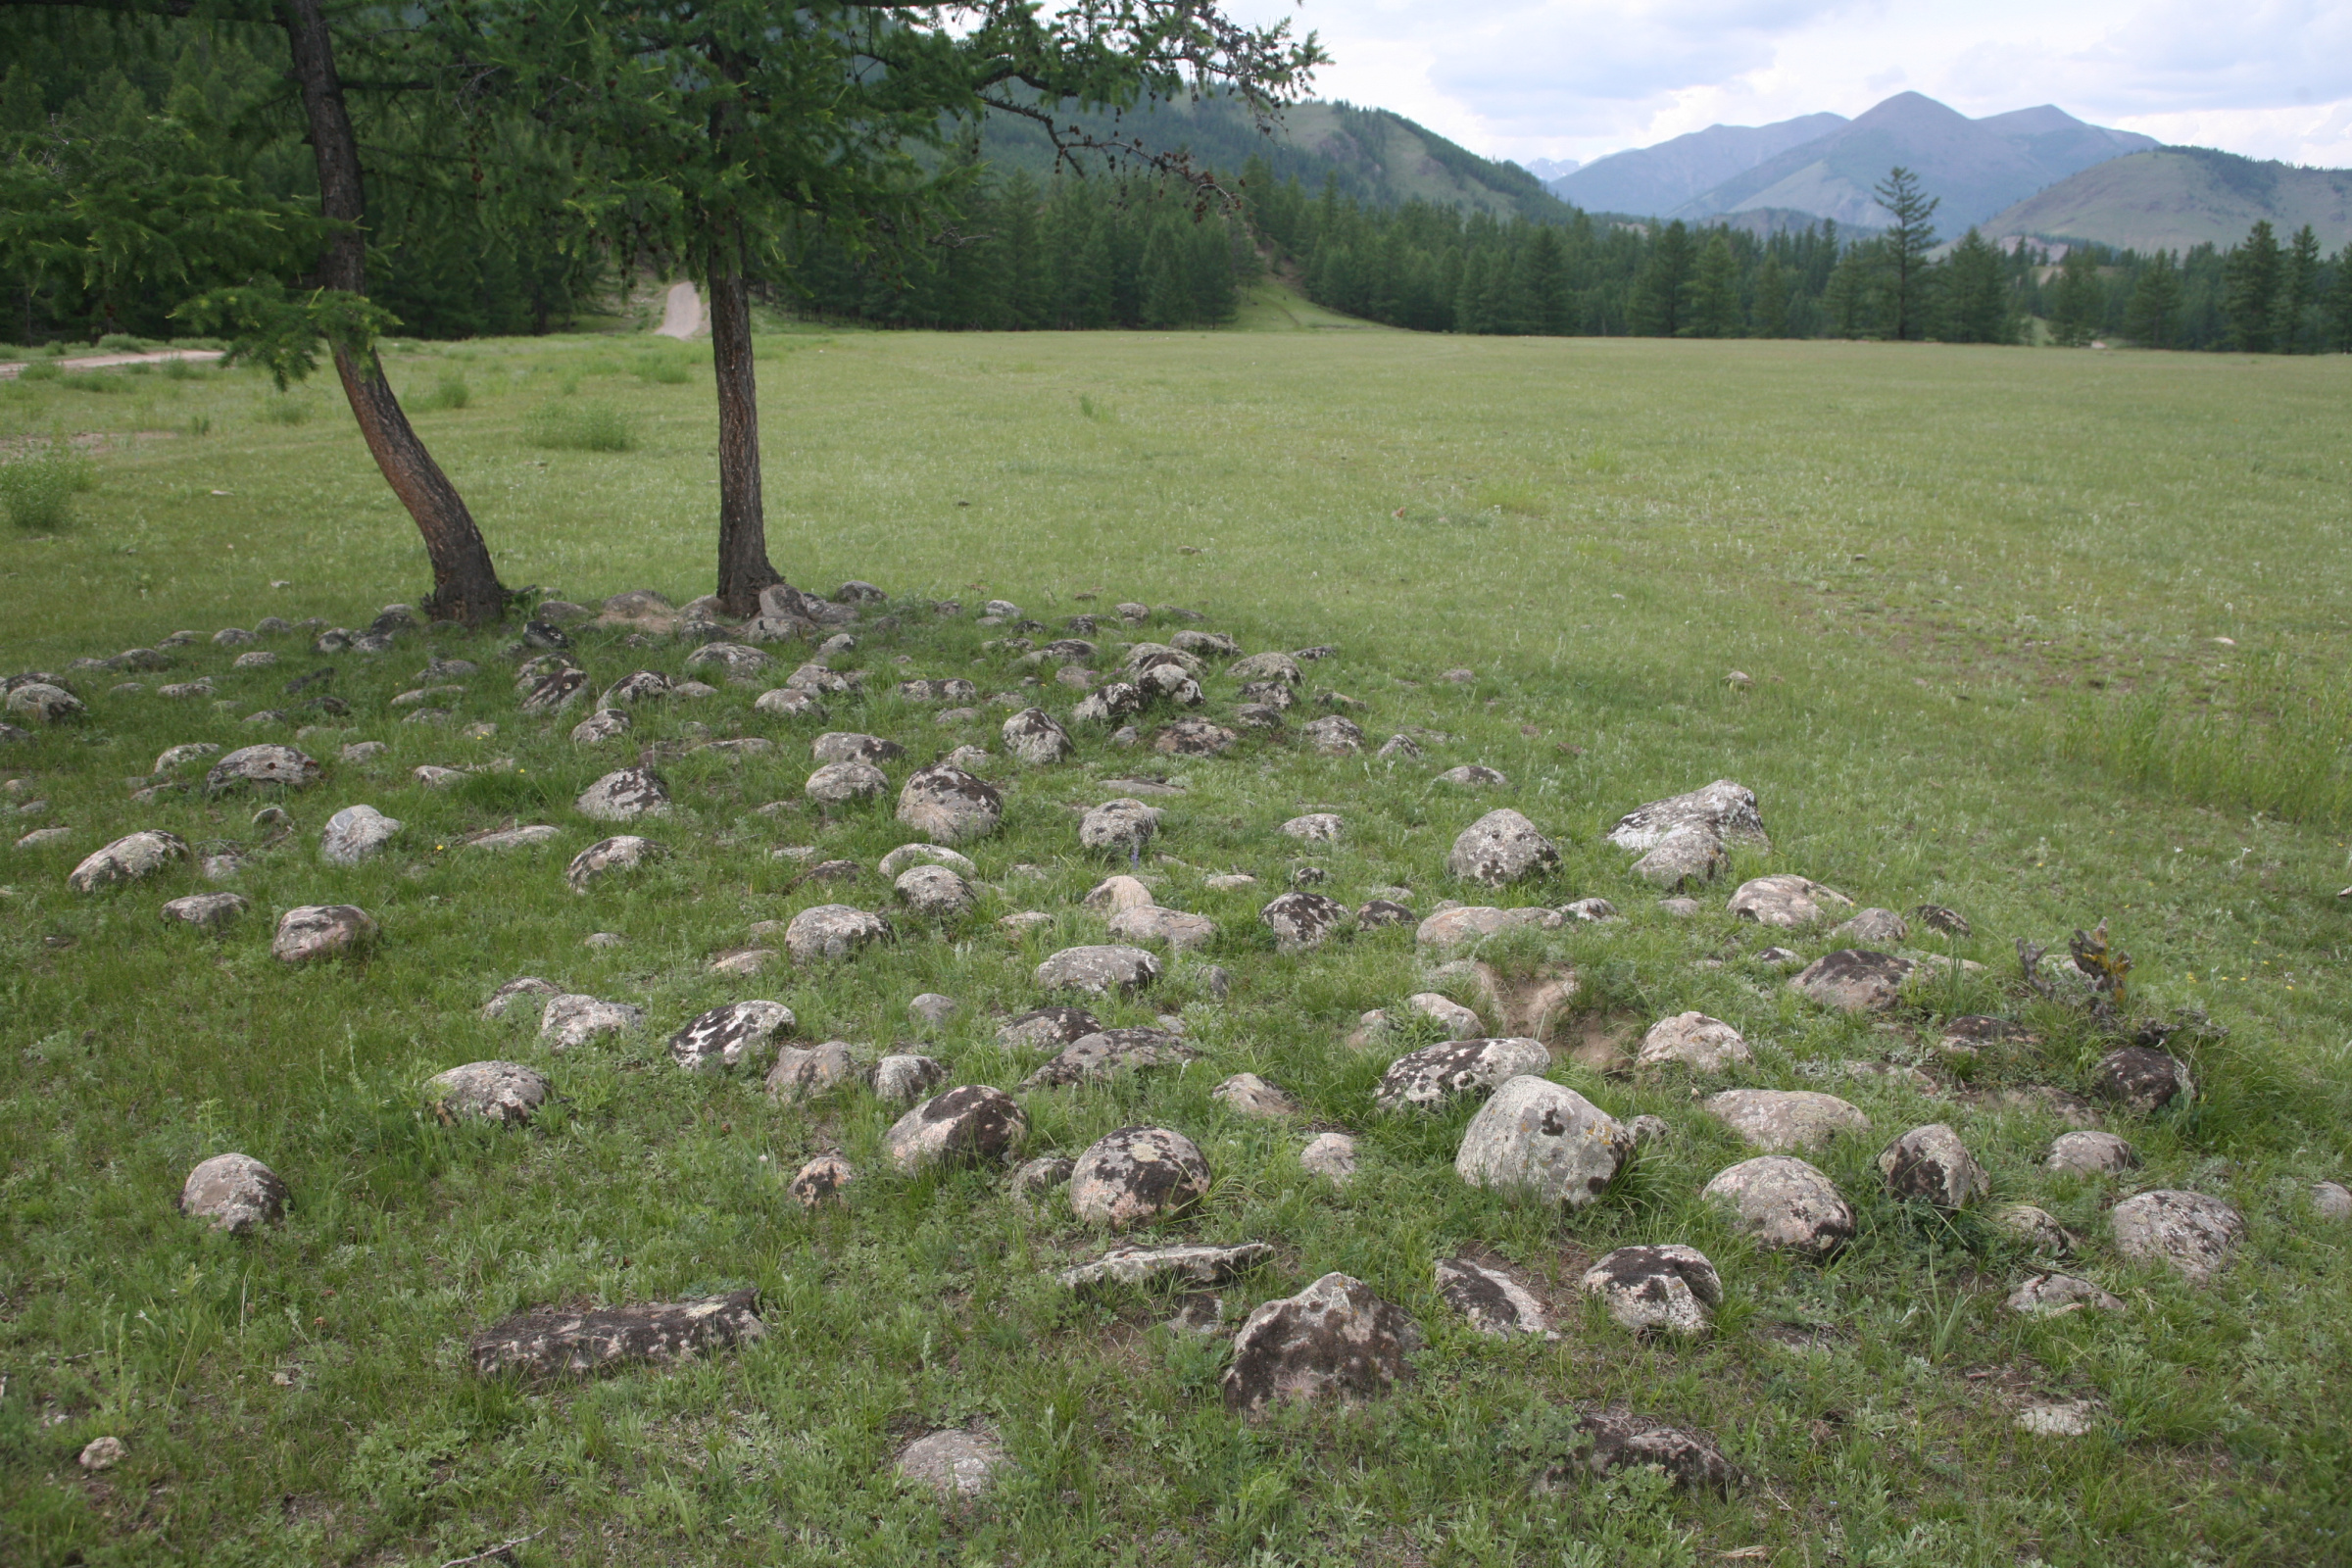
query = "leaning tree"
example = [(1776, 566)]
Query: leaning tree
[(708, 129), (283, 329)]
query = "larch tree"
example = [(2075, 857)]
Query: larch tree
[(711, 130), (1905, 246), (2250, 297)]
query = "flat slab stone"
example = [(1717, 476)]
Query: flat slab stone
[(552, 1342), (957, 1466), (2189, 1232), (1193, 1263), (1724, 809), (1334, 1340), (488, 1091), (1101, 970), (1434, 1073), (1492, 1301), (1109, 1050), (1783, 1201), (1784, 1120)]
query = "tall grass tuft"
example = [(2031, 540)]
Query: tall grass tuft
[(38, 485), (450, 392), (2279, 742), (578, 427), (665, 371)]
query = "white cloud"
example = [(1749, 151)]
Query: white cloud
[(1574, 79)]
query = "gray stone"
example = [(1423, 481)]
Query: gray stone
[(623, 853), (1873, 928), (2057, 1295), (806, 1073), (259, 658), (1036, 737), (1784, 1202), (555, 692), (1135, 1175), (1316, 827), (1500, 848), (177, 757), (737, 1035), (1330, 1155), (1196, 1264), (973, 1123), (1930, 1164), (44, 703), (624, 795), (950, 806), (258, 767), (935, 891), (1301, 921), (819, 1182), (1110, 703), (2066, 1418), (1246, 1093), (2143, 1079), (1182, 932), (1448, 928), (1786, 901), (2091, 1153), (848, 746), (605, 724), (1686, 858), (2038, 1228), (1377, 913), (1120, 827), (742, 962), (133, 857), (2190, 1232), (902, 1078), (363, 751), (322, 931), (956, 1465), (1615, 1440), (1336, 1338), (1852, 980), (505, 1092), (1047, 1028), (841, 783), (789, 702), (638, 686), (1109, 1050), (237, 1192), (1724, 809), (1035, 1183), (570, 1020), (934, 1008), (1670, 1289), (515, 993), (1492, 1301), (1436, 1073), (908, 855), (1784, 1120), (601, 940), (42, 837), (1695, 1041), (207, 911), (1169, 683), (1117, 893), (739, 663), (1333, 736), (557, 1342), (355, 834), (2332, 1200), (516, 838), (1544, 1141), (101, 1454), (830, 932), (1193, 737), (1268, 667), (1101, 970)]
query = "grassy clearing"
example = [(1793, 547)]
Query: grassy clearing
[(1977, 591)]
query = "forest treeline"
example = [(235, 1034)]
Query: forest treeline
[(98, 111)]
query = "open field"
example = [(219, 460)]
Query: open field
[(1979, 594)]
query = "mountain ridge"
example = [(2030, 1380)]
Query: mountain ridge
[(2175, 198)]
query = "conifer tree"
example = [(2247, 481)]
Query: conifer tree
[(2155, 303), (1975, 302), (2339, 302), (2298, 286), (1714, 291), (2078, 302), (1905, 248), (1657, 303), (1772, 298), (2251, 297)]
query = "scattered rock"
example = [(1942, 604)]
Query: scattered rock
[(2192, 1233), (1330, 1155), (1690, 1460), (1377, 913), (1936, 917), (1544, 1141), (623, 853), (935, 893), (638, 686), (505, 1092), (789, 702), (1333, 736), (1781, 1119), (1724, 809), (841, 783), (1853, 980), (1873, 928), (957, 1466), (175, 758), (1670, 1289), (1686, 858), (557, 692), (552, 1342), (902, 1078), (1316, 827), (906, 854), (1784, 1202), (1246, 1093), (1695, 1041), (2069, 1418), (2038, 1228), (130, 858), (1930, 1164), (1120, 827), (604, 939), (1109, 705), (848, 746), (624, 796), (355, 834), (570, 1020), (803, 1074), (1786, 901), (257, 766), (934, 1008), (2056, 1295), (1136, 1174), (829, 932), (44, 703), (1304, 921), (1397, 746), (2091, 1153), (1047, 1028), (207, 911), (740, 662), (2332, 1200), (1037, 738), (1192, 737), (820, 1181), (735, 1034), (237, 1192), (1182, 932), (1100, 970), (1151, 1268), (605, 724), (1437, 1073), (1493, 1302), (948, 804), (1452, 927), (1108, 1050), (322, 931), (1035, 1183), (513, 992), (2143, 1079), (1268, 667), (1333, 1339), (1474, 776), (101, 1454), (974, 1123), (1502, 848)]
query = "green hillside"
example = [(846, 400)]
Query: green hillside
[(1378, 158), (2177, 197)]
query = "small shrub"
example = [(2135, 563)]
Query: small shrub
[(38, 484), (178, 371), (578, 427), (120, 343), (40, 370), (450, 392)]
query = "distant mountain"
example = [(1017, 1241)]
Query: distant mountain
[(2177, 197), (1378, 157), (1548, 169), (1976, 167), (1661, 178)]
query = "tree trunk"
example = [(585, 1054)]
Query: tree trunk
[(466, 585), (743, 564)]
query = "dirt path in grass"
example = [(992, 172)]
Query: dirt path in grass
[(99, 362), (681, 312)]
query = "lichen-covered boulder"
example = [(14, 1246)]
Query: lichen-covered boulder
[(1852, 980), (1333, 736), (505, 1092), (973, 1124), (737, 1035), (207, 911), (572, 1019), (1046, 1028), (1036, 737), (1616, 1441), (1109, 1050), (1302, 920), (131, 858), (1670, 1289), (2057, 1295), (1148, 922), (1686, 858), (1136, 1174), (322, 931), (556, 1341), (624, 796), (1101, 970), (825, 933), (2091, 1153), (2192, 1233), (935, 891), (1500, 848), (1427, 1077), (1784, 1202), (820, 1181), (1783, 1119), (806, 1073), (1336, 1338), (902, 1078), (235, 1192), (1724, 811), (1120, 827), (1694, 1041), (948, 804), (261, 766), (1786, 901), (1930, 1164), (2143, 1079), (1544, 1141), (1493, 1302), (849, 746), (844, 782)]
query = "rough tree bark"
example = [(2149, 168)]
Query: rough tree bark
[(466, 585), (743, 564)]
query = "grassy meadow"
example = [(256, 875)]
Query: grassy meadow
[(2046, 637)]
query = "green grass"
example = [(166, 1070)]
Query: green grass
[(1977, 591)]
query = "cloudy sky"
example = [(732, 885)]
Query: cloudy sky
[(1577, 78)]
